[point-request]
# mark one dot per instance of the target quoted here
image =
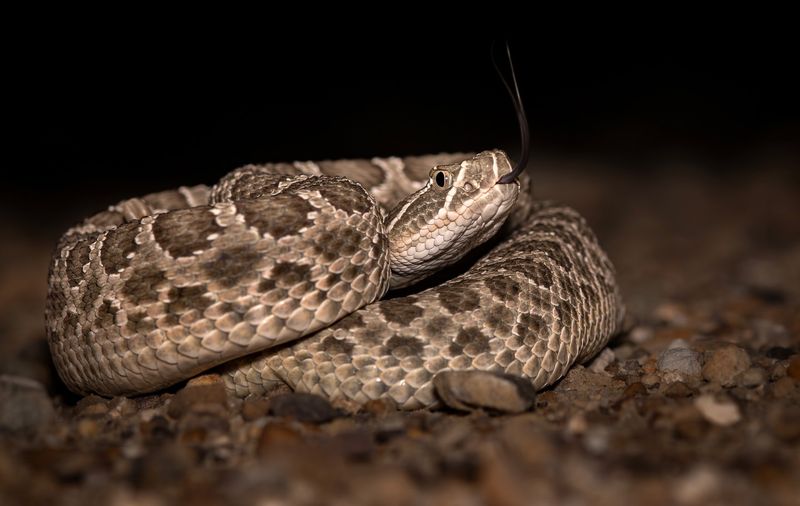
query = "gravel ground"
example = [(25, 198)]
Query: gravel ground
[(697, 403)]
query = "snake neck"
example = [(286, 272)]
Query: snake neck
[(460, 207)]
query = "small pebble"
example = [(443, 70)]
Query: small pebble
[(671, 313), (640, 335), (678, 390), (24, 405), (468, 390), (794, 367), (779, 352), (725, 364), (650, 380), (379, 407), (722, 413), (784, 422), (254, 408), (782, 388), (753, 377), (302, 407), (195, 394), (277, 435), (603, 360), (679, 364)]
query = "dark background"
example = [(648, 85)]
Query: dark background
[(101, 118)]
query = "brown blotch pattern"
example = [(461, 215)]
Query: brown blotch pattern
[(232, 264), (456, 299), (503, 287), (186, 298), (347, 197), (279, 216), (400, 310), (338, 242), (404, 346), (142, 285), (265, 285), (181, 233), (139, 323), (530, 325), (78, 257), (472, 341), (330, 344), (116, 247), (289, 274), (106, 315), (351, 322)]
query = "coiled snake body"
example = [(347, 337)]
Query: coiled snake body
[(277, 272)]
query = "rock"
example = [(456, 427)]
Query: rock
[(782, 388), (603, 360), (779, 352), (793, 371), (699, 486), (725, 364), (650, 380), (783, 420), (24, 405), (634, 390), (678, 390), (277, 436), (198, 392), (92, 406), (379, 407), (302, 407), (751, 378), (722, 413), (679, 364), (640, 335), (254, 408), (469, 390), (671, 313)]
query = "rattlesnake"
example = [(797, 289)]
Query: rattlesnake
[(277, 271)]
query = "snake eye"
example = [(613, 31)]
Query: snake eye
[(441, 178)]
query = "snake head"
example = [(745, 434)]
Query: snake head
[(461, 206)]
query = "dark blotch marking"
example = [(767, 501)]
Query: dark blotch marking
[(265, 285), (78, 257), (341, 241), (566, 313), (351, 322), (555, 251), (503, 287), (404, 346), (472, 340), (289, 274), (106, 315), (116, 247), (139, 323), (142, 285), (334, 346), (400, 310), (183, 232), (279, 215), (540, 275), (498, 316), (232, 264), (186, 298), (530, 325), (458, 300), (346, 196)]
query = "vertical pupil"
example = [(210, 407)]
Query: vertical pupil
[(440, 178)]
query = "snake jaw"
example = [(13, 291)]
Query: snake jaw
[(438, 225)]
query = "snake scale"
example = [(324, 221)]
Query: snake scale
[(276, 275)]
